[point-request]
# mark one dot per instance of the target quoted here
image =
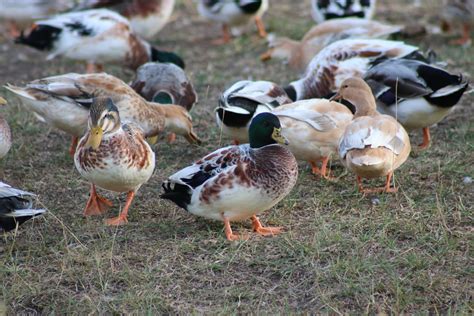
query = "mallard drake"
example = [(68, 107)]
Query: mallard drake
[(323, 10), (417, 94), (5, 134), (96, 37), (313, 128), (147, 17), (238, 182), (298, 54), (64, 101), (234, 13), (113, 156), (15, 207), (243, 101), (341, 60), (373, 144), (458, 13), (21, 12), (165, 84)]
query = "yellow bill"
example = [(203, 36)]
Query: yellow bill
[(152, 140), (3, 101), (95, 137), (278, 137)]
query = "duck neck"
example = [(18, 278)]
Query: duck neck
[(364, 104), (152, 119)]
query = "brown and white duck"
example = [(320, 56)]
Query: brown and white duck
[(373, 144), (147, 17), (298, 54), (64, 102), (96, 37), (112, 156), (238, 182)]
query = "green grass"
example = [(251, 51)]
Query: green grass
[(342, 252)]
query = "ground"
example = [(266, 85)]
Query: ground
[(341, 252)]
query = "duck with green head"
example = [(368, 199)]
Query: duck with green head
[(235, 183)]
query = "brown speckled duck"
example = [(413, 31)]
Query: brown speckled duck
[(114, 157), (64, 101), (238, 182), (373, 144)]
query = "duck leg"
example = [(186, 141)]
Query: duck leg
[(171, 138), (466, 35), (260, 27), (385, 188), (72, 148), (122, 218), (323, 172), (228, 231), (225, 36), (426, 138), (96, 204), (264, 231), (13, 30)]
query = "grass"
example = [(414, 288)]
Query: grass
[(408, 252)]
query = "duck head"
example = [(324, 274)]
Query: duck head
[(265, 129), (358, 93), (103, 119)]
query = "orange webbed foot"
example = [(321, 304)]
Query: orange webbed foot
[(171, 138), (117, 221), (264, 231), (96, 204)]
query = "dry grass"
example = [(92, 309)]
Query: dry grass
[(406, 252)]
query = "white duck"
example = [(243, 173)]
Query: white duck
[(323, 10)]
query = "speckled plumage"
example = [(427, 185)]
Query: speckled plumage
[(238, 181)]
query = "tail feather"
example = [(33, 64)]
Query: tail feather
[(10, 221), (41, 37), (180, 194)]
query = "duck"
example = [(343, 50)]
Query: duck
[(242, 101), (147, 17), (313, 128), (373, 145), (323, 10), (96, 37), (17, 13), (16, 207), (64, 101), (238, 182), (416, 93), (5, 133), (114, 157), (164, 83), (234, 13), (344, 59), (457, 13), (298, 54)]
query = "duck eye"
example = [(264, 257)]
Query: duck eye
[(109, 116)]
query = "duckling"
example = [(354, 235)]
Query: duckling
[(166, 84), (313, 128), (64, 102), (373, 144), (416, 93), (113, 156), (238, 182), (234, 13), (147, 17), (323, 10), (242, 102), (5, 134), (96, 37), (341, 60), (22, 12), (458, 13), (15, 207), (298, 54)]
